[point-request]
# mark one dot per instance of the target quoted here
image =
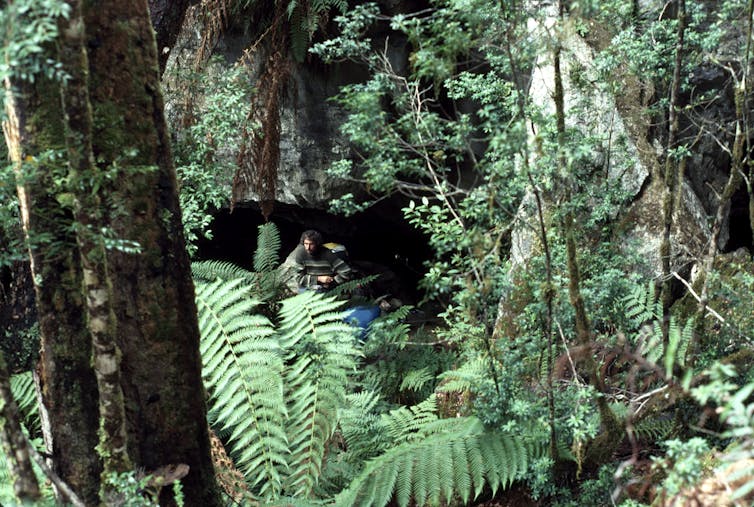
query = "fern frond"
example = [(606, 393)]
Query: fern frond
[(651, 345), (242, 372), (209, 271), (679, 337), (642, 305), (320, 352), (463, 378), (388, 330), (461, 472), (361, 427), (655, 429), (266, 256), (320, 7), (299, 32), (352, 285), (429, 473), (312, 315), (417, 379), (651, 342), (24, 392), (404, 424), (291, 7)]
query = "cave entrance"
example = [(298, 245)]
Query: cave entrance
[(377, 238), (739, 224)]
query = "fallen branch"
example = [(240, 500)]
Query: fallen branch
[(62, 487), (696, 296)]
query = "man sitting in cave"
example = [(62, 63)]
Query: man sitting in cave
[(315, 267)]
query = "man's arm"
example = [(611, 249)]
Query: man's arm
[(301, 272), (341, 270)]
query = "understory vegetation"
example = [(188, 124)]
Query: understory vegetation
[(576, 363)]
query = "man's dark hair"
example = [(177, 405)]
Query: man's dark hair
[(313, 236)]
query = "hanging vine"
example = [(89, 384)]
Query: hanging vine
[(259, 154), (289, 32)]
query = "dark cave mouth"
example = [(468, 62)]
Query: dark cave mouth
[(377, 239), (739, 224)]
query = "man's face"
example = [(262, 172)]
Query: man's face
[(310, 246)]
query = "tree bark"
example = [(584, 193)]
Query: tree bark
[(150, 315), (88, 187), (33, 132), (601, 448), (153, 296), (673, 170)]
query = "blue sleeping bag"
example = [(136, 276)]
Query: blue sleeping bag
[(361, 317)]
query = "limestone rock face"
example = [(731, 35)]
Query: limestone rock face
[(591, 111), (309, 140), (309, 121), (630, 154), (595, 115)]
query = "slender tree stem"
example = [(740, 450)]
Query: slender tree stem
[(672, 168), (90, 217)]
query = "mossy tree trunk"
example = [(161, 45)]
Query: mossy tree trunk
[(153, 294), (33, 132), (89, 187), (674, 163), (122, 223)]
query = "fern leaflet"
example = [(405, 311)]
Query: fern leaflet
[(642, 306), (209, 271), (404, 424)]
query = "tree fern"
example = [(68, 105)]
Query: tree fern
[(320, 352), (242, 371), (464, 377), (457, 462), (267, 253), (415, 380), (268, 282), (304, 18), (362, 427), (278, 419), (353, 286), (265, 281), (401, 373)]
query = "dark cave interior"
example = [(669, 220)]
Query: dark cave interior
[(377, 240), (739, 226)]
